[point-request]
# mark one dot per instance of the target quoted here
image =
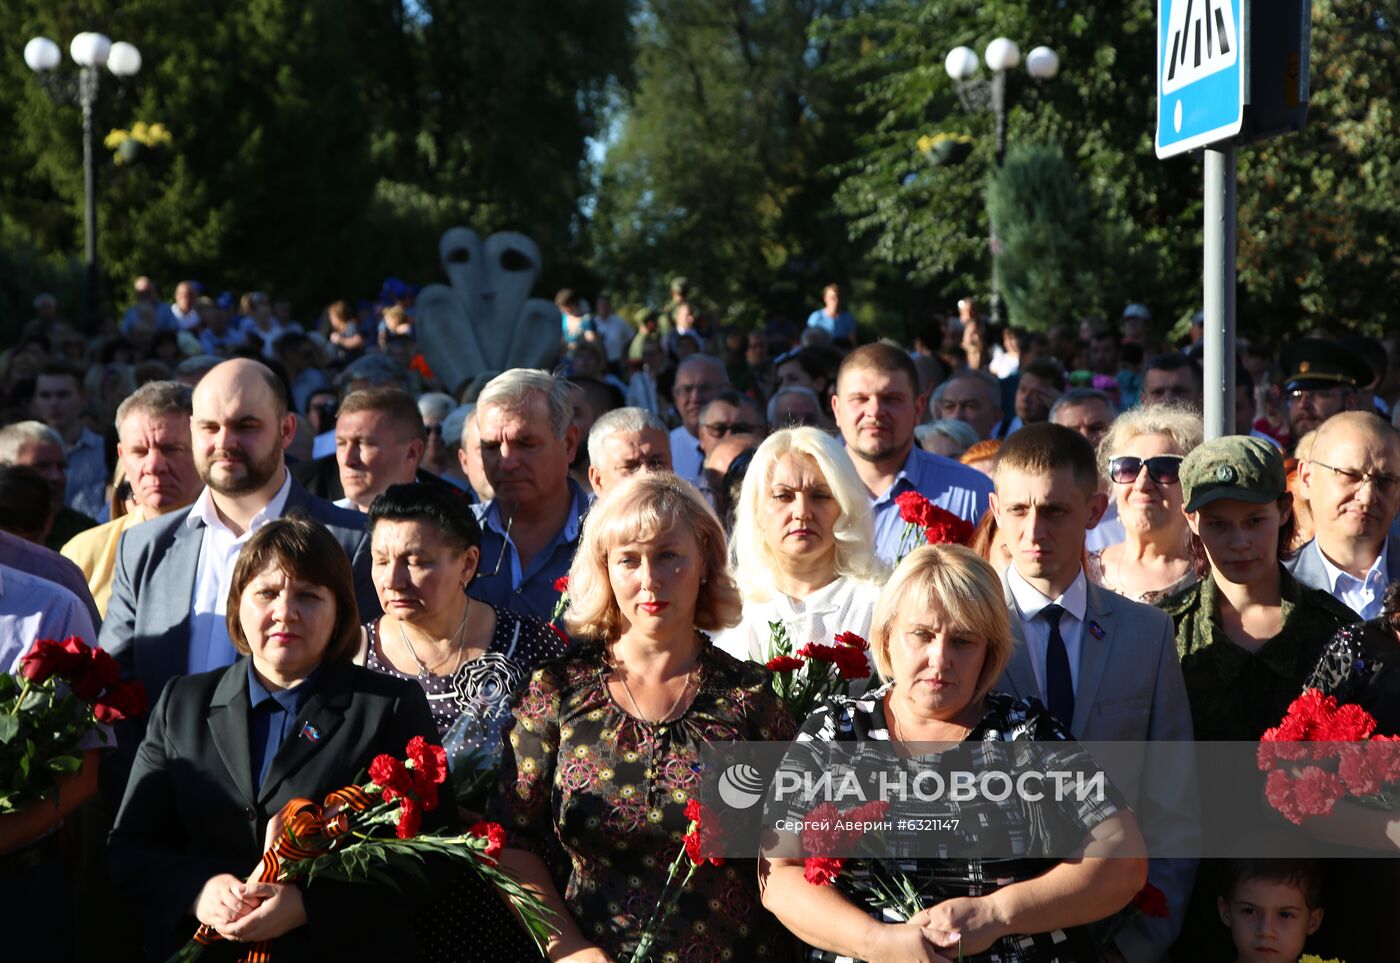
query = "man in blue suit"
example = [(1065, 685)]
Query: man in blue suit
[(167, 616)]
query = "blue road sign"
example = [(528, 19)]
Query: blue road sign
[(1200, 73)]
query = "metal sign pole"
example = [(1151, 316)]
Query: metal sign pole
[(1219, 283)]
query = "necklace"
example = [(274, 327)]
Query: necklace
[(423, 671), (636, 709)]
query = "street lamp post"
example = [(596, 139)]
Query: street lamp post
[(90, 51), (976, 94)]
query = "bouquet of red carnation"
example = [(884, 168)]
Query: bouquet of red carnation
[(64, 691), (827, 829), (927, 524), (701, 842), (805, 678), (347, 838), (1323, 752)]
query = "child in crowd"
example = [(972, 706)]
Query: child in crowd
[(1271, 907)]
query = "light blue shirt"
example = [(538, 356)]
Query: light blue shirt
[(34, 608), (1364, 597), (87, 475), (949, 484), (501, 581), (841, 326)]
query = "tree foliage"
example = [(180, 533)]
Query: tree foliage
[(718, 170), (319, 145)]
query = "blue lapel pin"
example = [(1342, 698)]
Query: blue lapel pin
[(308, 731), (1096, 630)]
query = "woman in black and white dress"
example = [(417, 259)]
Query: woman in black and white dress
[(469, 657)]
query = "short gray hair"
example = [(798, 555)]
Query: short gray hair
[(1075, 397), (958, 432), (21, 433), (511, 390), (155, 398), (455, 423), (700, 358), (617, 421), (801, 391), (435, 404), (986, 377)]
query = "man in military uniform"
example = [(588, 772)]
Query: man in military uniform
[(1323, 378)]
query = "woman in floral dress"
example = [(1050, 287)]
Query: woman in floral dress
[(603, 752)]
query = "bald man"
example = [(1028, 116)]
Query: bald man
[(1351, 480), (166, 616)]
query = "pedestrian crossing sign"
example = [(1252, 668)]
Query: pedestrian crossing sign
[(1200, 73)]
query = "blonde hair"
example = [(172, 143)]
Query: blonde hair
[(1181, 424), (958, 582), (644, 507), (754, 561)]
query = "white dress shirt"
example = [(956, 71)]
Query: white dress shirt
[(686, 457), (844, 605), (1036, 630), (1363, 597), (34, 608), (210, 647), (1109, 530)]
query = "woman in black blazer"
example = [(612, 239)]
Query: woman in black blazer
[(225, 750)]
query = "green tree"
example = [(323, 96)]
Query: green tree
[(717, 168), (1048, 265)]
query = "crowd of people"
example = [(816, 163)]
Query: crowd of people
[(308, 550)]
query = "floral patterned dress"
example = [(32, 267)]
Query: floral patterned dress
[(611, 790)]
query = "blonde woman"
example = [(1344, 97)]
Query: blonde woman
[(1141, 457), (601, 754), (803, 546), (943, 618)]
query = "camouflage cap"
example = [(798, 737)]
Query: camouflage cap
[(1236, 466)]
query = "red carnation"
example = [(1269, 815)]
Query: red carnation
[(851, 663), (703, 837), (429, 760), (97, 674), (819, 832), (494, 835), (820, 653), (820, 870), (1151, 901), (852, 640), (390, 775), (410, 819), (48, 658), (784, 663), (1279, 790), (943, 527), (914, 508), (561, 584), (126, 700), (1348, 723), (1357, 770)]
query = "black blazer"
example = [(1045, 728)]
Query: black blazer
[(191, 810)]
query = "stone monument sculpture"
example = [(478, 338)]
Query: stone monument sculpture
[(484, 319)]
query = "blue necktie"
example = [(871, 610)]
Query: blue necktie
[(1059, 686)]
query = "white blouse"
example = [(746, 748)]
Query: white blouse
[(844, 605)]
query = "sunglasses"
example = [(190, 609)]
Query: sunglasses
[(721, 428), (1162, 469)]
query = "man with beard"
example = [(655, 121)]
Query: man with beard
[(877, 404), (167, 614), (1351, 480)]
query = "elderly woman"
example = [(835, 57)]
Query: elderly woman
[(802, 546), (1141, 457), (226, 750), (942, 636), (600, 759), (468, 658)]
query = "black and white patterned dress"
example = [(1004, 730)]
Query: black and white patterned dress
[(1008, 827), (469, 922)]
